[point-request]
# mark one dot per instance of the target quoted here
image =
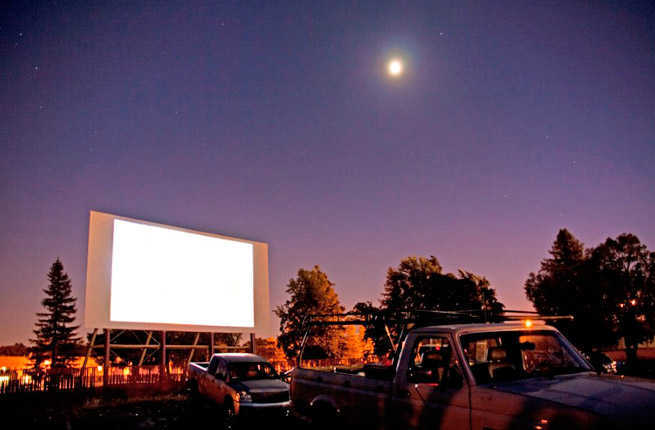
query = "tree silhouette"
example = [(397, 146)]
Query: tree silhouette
[(566, 284), (418, 283), (626, 272), (609, 290), (54, 333), (311, 293)]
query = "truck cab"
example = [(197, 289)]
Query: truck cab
[(508, 375), (242, 385)]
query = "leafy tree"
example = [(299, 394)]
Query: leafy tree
[(626, 272), (564, 286), (55, 336), (269, 349), (552, 288), (419, 284), (609, 290), (310, 293), (376, 332), (353, 344)]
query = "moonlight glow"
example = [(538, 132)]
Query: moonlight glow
[(395, 67)]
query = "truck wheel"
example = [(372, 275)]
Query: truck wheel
[(324, 417), (229, 418), (193, 391)]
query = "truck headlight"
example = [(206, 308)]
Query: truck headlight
[(245, 397)]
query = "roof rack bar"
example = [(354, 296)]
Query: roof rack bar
[(541, 317), (513, 311)]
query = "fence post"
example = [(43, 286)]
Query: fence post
[(107, 365), (162, 364)]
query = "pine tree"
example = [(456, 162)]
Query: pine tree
[(55, 336)]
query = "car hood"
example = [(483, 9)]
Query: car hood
[(260, 385), (616, 397)]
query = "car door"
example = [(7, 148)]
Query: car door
[(431, 392)]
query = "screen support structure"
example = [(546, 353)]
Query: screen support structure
[(152, 346)]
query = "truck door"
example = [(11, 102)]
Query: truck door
[(206, 381), (217, 385), (430, 391)]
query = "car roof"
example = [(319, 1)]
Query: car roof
[(485, 327), (238, 357)]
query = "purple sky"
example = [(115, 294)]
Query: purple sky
[(278, 123)]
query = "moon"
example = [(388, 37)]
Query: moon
[(395, 67)]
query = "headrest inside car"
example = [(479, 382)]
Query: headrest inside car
[(432, 358), (497, 354)]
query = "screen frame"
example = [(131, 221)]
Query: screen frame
[(98, 281)]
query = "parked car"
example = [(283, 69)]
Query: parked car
[(509, 375), (242, 385), (602, 362)]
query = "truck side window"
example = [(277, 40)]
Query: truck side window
[(430, 360), (221, 370), (213, 364)]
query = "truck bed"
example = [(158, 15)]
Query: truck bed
[(367, 391), (201, 364), (197, 368)]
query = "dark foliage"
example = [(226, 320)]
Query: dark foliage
[(17, 349), (55, 337), (310, 293), (609, 289), (419, 284)]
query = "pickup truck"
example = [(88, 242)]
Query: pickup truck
[(241, 385), (491, 376)]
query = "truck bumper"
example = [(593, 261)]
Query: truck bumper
[(261, 410)]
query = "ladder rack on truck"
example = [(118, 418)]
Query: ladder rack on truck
[(419, 318)]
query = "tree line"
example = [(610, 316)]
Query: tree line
[(608, 289), (417, 283)]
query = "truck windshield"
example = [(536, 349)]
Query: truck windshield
[(251, 370), (511, 355)]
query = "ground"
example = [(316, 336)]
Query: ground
[(160, 411)]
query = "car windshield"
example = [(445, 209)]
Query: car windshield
[(511, 355), (251, 370)]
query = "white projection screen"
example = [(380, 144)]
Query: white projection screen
[(148, 276)]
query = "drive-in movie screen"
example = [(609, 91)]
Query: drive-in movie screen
[(145, 273)]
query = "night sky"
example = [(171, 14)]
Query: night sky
[(277, 122)]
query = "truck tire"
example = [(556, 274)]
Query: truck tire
[(323, 416), (194, 395), (228, 415)]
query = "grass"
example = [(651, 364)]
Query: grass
[(117, 410)]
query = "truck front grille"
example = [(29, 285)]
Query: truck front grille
[(275, 397)]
